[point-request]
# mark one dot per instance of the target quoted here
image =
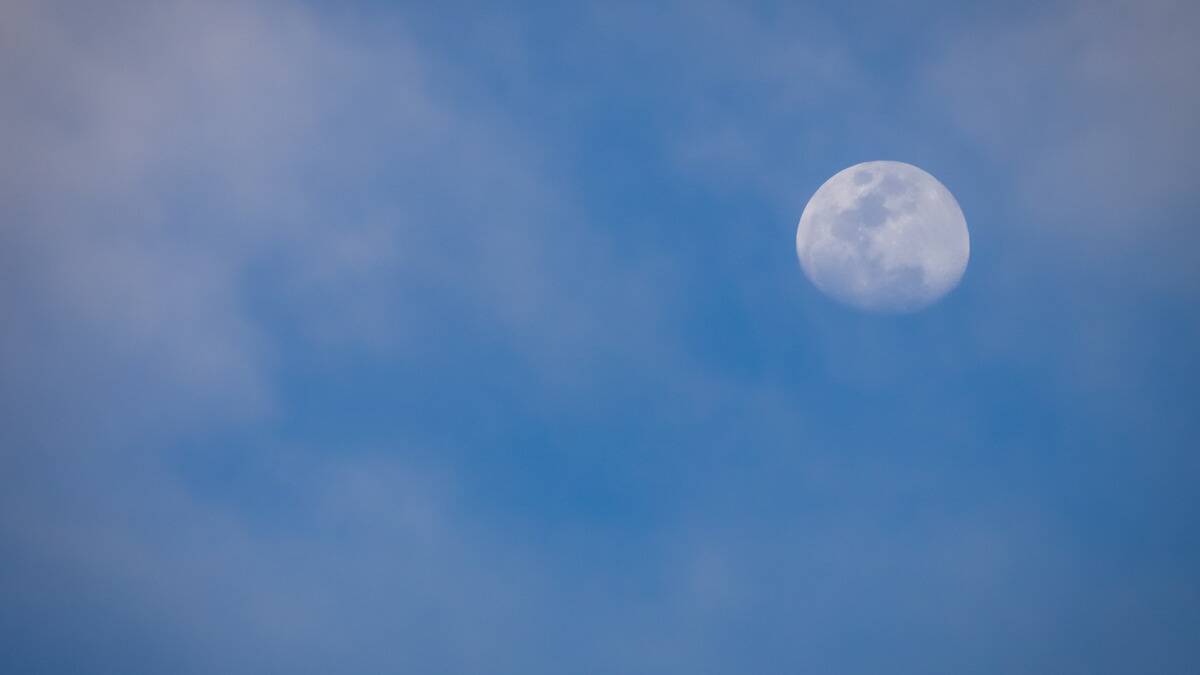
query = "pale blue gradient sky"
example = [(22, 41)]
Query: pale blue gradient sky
[(374, 337)]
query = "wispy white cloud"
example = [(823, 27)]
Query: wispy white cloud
[(185, 163), (198, 192), (1094, 108)]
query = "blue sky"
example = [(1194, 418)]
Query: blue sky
[(386, 337)]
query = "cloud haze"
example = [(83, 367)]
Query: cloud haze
[(362, 337)]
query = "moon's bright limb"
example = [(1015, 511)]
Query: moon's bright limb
[(883, 236)]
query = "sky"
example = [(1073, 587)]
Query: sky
[(453, 337)]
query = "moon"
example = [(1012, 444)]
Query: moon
[(883, 237)]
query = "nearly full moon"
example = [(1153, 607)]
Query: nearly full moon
[(883, 237)]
